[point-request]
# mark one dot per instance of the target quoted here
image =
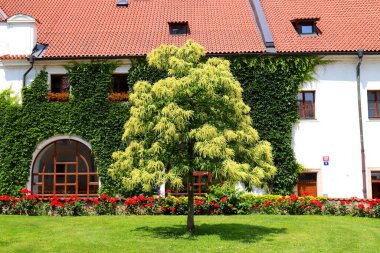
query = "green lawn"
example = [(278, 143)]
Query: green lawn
[(253, 233)]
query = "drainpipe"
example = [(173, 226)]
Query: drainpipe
[(31, 61), (358, 80)]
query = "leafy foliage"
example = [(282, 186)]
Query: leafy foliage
[(89, 115), (271, 86), (195, 119)]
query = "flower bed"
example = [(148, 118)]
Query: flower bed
[(58, 97), (235, 203), (118, 96)]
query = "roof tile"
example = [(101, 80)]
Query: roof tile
[(97, 28), (346, 25)]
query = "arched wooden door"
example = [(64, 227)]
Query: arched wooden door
[(64, 168)]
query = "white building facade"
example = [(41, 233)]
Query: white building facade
[(327, 143), (330, 144)]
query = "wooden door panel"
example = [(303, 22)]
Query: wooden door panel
[(307, 187), (376, 190)]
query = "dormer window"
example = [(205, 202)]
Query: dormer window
[(179, 28), (306, 27)]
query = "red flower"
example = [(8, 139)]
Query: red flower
[(316, 203), (118, 96), (142, 198), (302, 207), (172, 209), (216, 205), (25, 191), (224, 199), (198, 202), (360, 207), (104, 196)]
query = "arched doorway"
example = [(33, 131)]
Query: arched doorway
[(65, 167)]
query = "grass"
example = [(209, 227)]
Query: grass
[(253, 233)]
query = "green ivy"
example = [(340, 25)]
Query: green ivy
[(271, 86), (88, 115), (141, 71)]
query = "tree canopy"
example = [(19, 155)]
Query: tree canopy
[(193, 120)]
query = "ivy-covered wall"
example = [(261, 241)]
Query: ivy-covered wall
[(88, 115), (271, 86)]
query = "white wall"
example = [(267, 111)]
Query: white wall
[(335, 131), (11, 75), (18, 35), (12, 71)]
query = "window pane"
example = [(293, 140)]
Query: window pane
[(120, 83), (306, 105), (372, 110), (178, 30), (56, 84), (371, 96), (308, 177), (309, 96), (371, 113), (65, 84), (309, 110), (306, 29), (375, 176)]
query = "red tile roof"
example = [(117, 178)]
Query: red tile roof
[(97, 28), (13, 57), (346, 25)]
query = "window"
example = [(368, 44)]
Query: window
[(60, 84), (120, 83), (180, 28), (306, 105), (64, 168), (202, 180), (375, 180), (306, 27), (373, 104)]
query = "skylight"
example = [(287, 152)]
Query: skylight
[(306, 27), (122, 3), (179, 28)]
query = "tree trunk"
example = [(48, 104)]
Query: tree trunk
[(190, 208)]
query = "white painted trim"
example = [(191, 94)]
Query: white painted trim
[(21, 18), (47, 142)]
